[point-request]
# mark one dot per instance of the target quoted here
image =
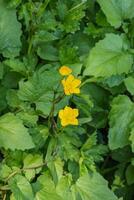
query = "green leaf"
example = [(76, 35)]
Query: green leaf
[(90, 142), (120, 118), (5, 171), (12, 98), (68, 144), (117, 10), (44, 36), (63, 188), (114, 80), (21, 188), (131, 138), (76, 68), (68, 54), (130, 174), (11, 79), (31, 161), (14, 159), (12, 197), (1, 70), (29, 118), (10, 31), (94, 187), (43, 82), (40, 135), (47, 191), (46, 194), (3, 102), (48, 21), (44, 104), (92, 151), (83, 101), (109, 57), (14, 3), (13, 134), (84, 120), (48, 52), (72, 18), (16, 65), (129, 82), (56, 168)]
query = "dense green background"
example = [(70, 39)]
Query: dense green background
[(39, 159)]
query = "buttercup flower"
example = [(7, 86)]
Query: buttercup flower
[(68, 116), (64, 71), (71, 85)]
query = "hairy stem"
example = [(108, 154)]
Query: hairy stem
[(24, 169)]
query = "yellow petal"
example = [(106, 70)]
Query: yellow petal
[(75, 112), (67, 92), (67, 110), (64, 123), (63, 82), (75, 122), (69, 79), (76, 82), (76, 91), (61, 114)]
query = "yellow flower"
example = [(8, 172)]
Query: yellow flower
[(68, 116), (71, 85), (64, 71)]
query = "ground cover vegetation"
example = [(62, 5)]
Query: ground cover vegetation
[(66, 99)]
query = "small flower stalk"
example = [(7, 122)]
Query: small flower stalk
[(71, 85)]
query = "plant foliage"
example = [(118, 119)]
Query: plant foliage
[(66, 99)]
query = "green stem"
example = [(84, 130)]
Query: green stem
[(39, 14), (51, 121), (30, 45), (106, 171), (59, 98), (42, 8), (24, 169), (131, 51), (4, 188), (77, 6)]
